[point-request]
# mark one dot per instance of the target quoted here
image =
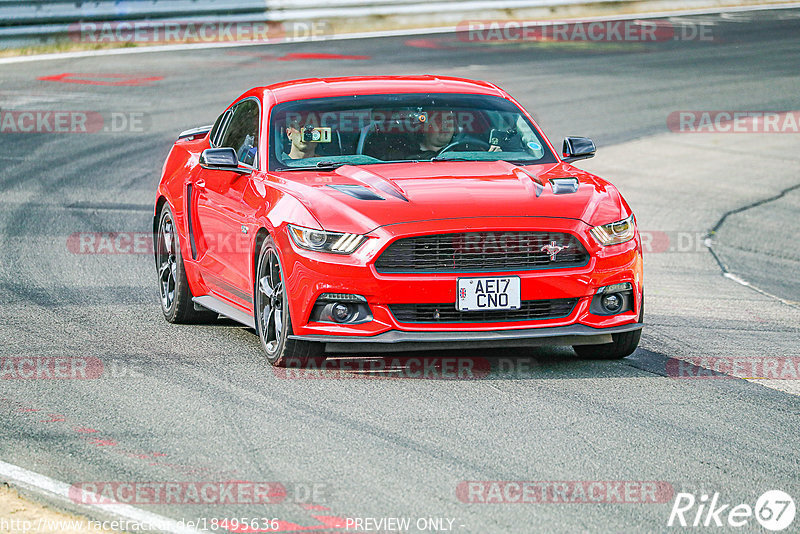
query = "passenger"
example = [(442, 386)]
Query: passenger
[(300, 148)]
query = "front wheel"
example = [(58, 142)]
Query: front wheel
[(621, 344), (273, 321)]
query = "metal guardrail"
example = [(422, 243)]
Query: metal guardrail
[(15, 12), (26, 23)]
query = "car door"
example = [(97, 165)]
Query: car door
[(223, 238)]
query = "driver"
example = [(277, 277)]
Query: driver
[(437, 133)]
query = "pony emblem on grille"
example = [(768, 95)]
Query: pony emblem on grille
[(553, 249)]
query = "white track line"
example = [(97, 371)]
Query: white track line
[(23, 478), (741, 281), (369, 35)]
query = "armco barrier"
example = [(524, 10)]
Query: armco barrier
[(46, 21)]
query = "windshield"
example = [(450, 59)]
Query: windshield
[(372, 129)]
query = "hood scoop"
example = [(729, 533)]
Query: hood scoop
[(527, 179), (372, 180), (357, 191), (564, 186)]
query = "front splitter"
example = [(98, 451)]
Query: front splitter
[(401, 341)]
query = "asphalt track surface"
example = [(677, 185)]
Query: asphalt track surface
[(200, 403)]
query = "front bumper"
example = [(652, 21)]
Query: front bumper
[(309, 274), (397, 341)]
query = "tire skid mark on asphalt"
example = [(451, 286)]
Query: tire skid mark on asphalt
[(86, 434), (726, 328), (335, 523), (325, 523), (82, 205), (308, 411), (19, 158), (654, 363), (18, 217), (109, 206), (352, 425), (55, 299)]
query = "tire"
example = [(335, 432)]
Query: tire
[(273, 321), (176, 296), (622, 345)]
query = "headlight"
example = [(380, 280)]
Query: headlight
[(616, 232), (322, 241)]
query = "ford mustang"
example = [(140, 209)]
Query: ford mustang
[(394, 213)]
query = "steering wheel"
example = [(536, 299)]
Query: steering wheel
[(465, 142)]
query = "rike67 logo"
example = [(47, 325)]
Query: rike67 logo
[(774, 510)]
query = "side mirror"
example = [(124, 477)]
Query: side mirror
[(576, 148), (221, 159)]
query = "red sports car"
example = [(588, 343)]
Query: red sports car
[(394, 213)]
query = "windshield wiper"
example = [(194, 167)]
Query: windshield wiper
[(518, 162), (320, 166), (330, 164), (443, 158)]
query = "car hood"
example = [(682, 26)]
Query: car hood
[(359, 199)]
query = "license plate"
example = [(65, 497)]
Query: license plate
[(484, 294)]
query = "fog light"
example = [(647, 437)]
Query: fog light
[(612, 303), (613, 299), (341, 312), (341, 308)]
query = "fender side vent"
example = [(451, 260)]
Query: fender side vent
[(189, 219)]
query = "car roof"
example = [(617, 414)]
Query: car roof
[(365, 85)]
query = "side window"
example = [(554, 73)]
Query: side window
[(241, 132), (218, 127)]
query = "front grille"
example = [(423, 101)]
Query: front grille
[(482, 252), (447, 313)]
